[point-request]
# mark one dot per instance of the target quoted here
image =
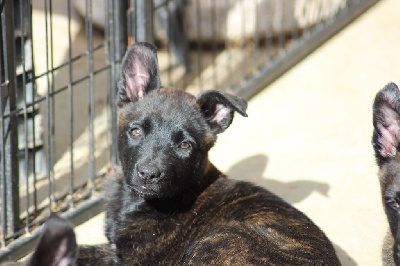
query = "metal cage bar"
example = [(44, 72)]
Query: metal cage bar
[(144, 21), (10, 173)]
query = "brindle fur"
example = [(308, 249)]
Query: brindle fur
[(95, 255), (168, 204)]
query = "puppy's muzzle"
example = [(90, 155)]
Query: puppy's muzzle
[(148, 172)]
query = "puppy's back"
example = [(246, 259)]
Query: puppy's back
[(245, 224)]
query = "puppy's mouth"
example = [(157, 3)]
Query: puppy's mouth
[(145, 190)]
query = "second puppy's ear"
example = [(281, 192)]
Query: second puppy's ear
[(57, 245), (139, 73), (386, 122), (218, 108)]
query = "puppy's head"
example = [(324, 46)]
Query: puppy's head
[(165, 133), (385, 140)]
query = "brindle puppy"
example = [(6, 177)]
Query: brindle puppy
[(385, 140), (170, 205)]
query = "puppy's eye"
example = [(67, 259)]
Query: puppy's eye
[(136, 131), (184, 145)]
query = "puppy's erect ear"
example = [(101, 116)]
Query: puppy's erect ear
[(57, 245), (386, 121), (218, 108), (139, 74)]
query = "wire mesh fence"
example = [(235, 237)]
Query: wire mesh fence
[(58, 75), (59, 66)]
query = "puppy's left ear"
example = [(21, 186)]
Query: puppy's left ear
[(139, 73), (218, 108)]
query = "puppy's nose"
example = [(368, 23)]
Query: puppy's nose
[(148, 172)]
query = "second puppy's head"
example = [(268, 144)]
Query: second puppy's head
[(386, 143)]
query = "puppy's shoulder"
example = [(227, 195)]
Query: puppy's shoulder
[(112, 190), (249, 198), (113, 183), (239, 188)]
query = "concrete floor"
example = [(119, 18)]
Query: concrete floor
[(307, 137)]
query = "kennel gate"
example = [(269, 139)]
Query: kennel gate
[(58, 75)]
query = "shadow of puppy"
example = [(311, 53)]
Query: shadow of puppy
[(385, 141), (252, 168), (168, 204)]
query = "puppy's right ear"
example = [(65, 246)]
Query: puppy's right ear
[(386, 122), (139, 74), (57, 245)]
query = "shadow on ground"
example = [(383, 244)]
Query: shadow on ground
[(252, 169)]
